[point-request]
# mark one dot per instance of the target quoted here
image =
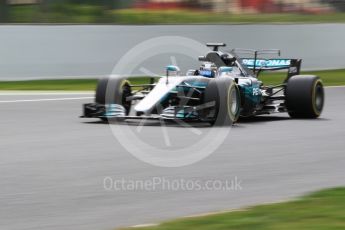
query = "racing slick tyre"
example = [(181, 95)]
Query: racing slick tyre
[(225, 96), (304, 96), (114, 91)]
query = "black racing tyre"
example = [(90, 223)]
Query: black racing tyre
[(114, 91), (101, 90), (225, 95), (304, 96)]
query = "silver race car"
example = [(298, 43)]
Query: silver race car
[(221, 90)]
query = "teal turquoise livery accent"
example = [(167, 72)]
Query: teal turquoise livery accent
[(114, 110), (266, 63), (199, 84), (172, 68), (252, 93), (225, 69), (183, 114)]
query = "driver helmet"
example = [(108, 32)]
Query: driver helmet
[(208, 69)]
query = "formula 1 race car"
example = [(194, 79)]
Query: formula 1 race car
[(224, 88)]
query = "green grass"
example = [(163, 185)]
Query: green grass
[(59, 12), (324, 210), (22, 14), (135, 16), (73, 84), (65, 84), (329, 77)]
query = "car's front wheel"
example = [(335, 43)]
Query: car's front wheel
[(114, 91), (224, 94)]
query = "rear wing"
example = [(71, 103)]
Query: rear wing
[(258, 64), (266, 64), (292, 65)]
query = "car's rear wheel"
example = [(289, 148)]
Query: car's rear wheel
[(304, 96), (224, 94)]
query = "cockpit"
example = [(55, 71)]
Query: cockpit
[(229, 71), (210, 70)]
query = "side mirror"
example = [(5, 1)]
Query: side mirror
[(172, 68)]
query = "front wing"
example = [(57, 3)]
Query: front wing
[(117, 112)]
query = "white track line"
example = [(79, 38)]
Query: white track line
[(38, 93), (335, 86), (47, 99), (143, 225)]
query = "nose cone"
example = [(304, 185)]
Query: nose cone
[(157, 94)]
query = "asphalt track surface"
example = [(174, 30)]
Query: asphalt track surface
[(52, 165)]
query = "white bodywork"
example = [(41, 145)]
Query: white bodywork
[(162, 89)]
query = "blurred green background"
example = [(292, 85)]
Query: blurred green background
[(171, 11)]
